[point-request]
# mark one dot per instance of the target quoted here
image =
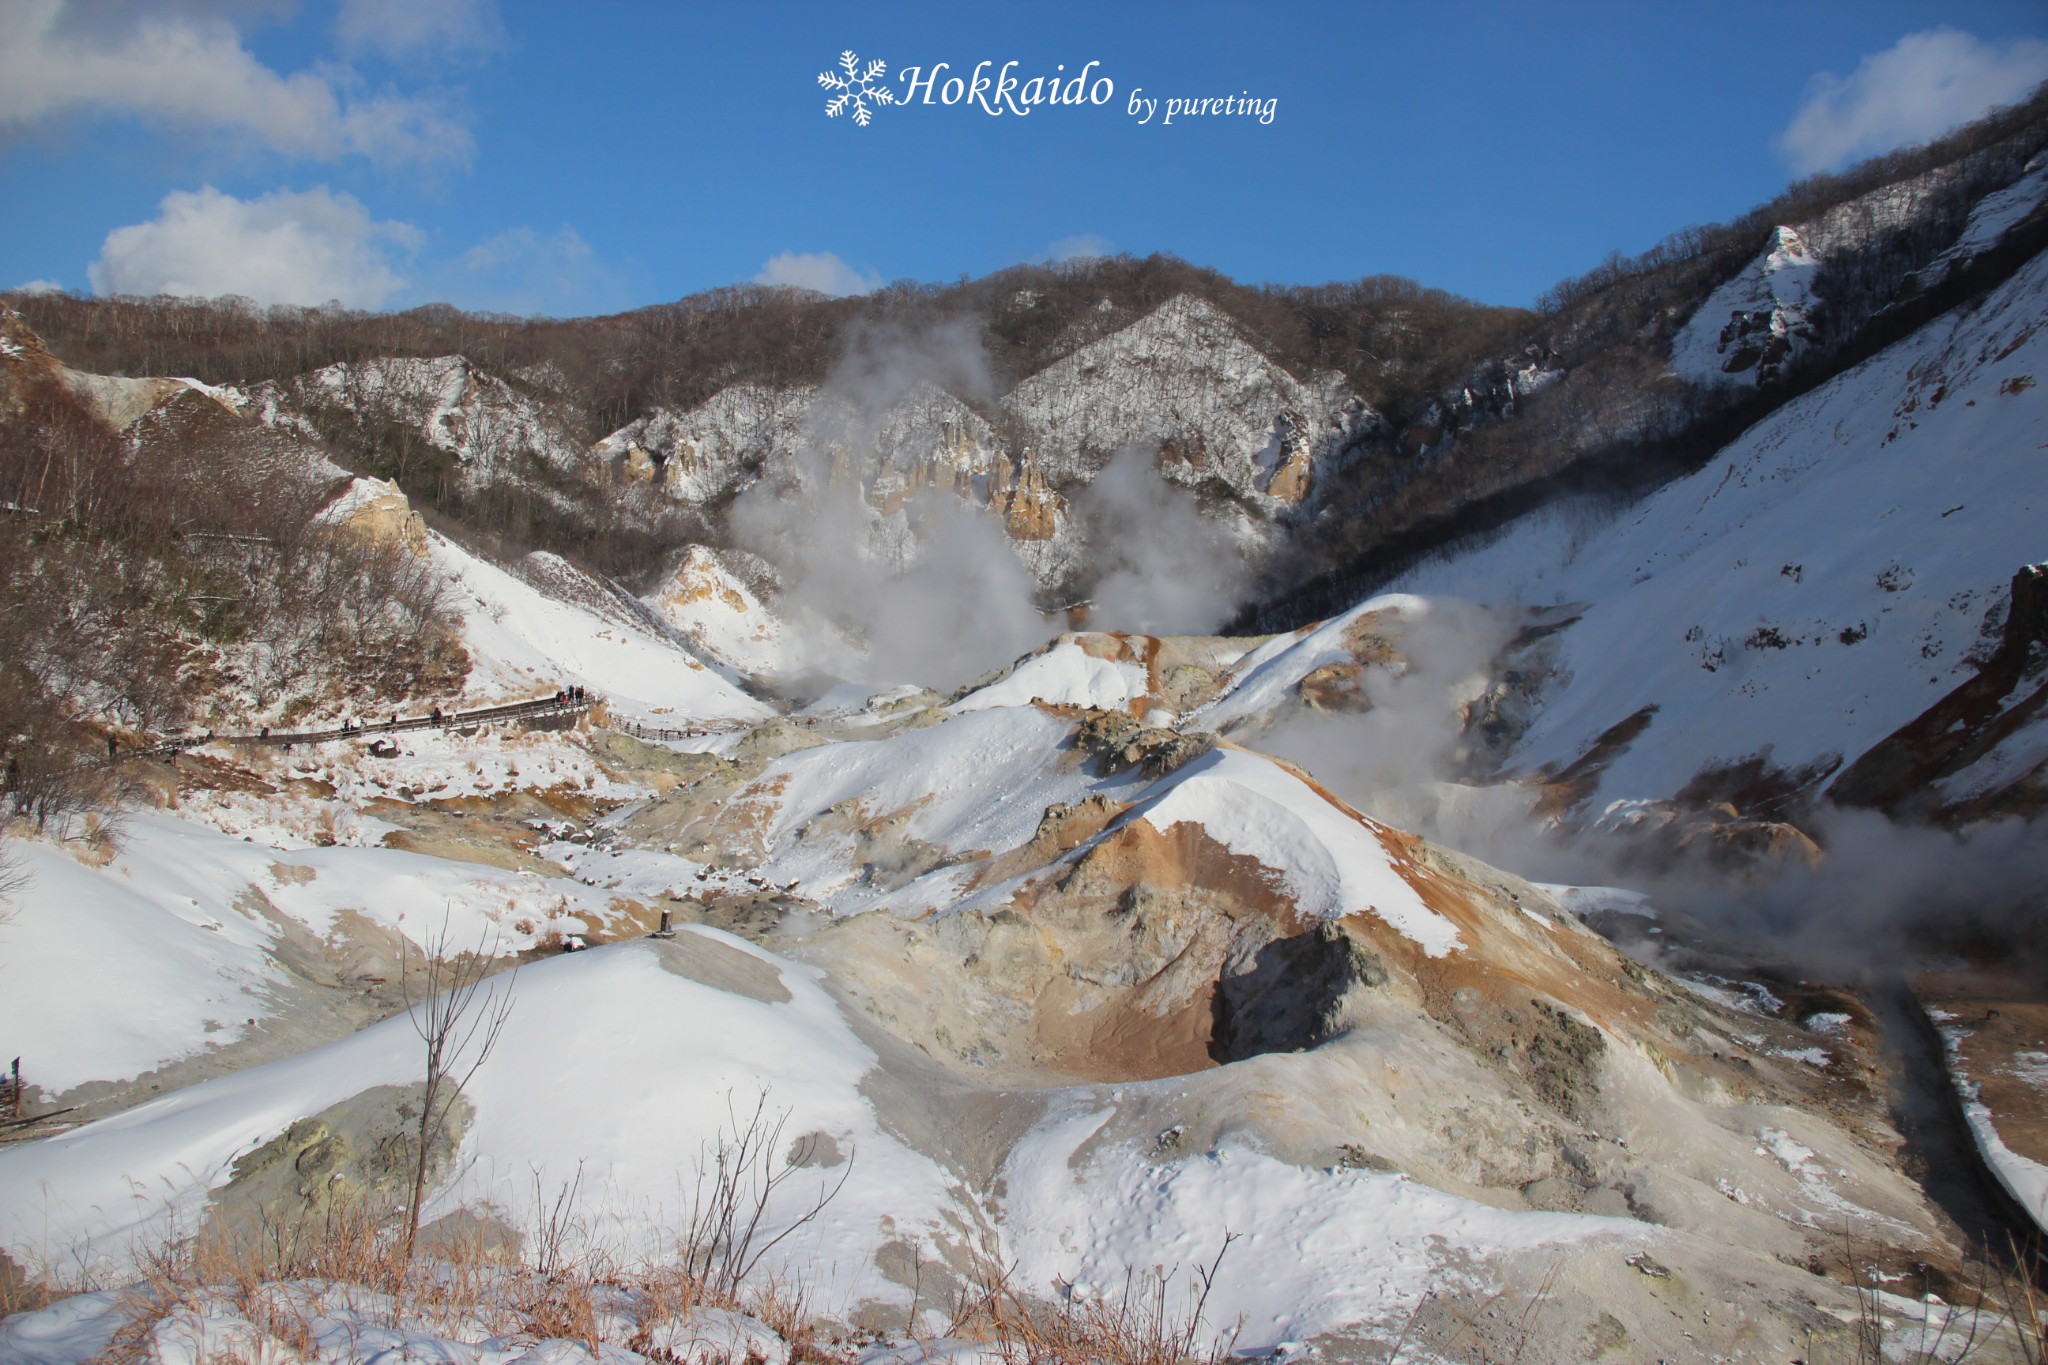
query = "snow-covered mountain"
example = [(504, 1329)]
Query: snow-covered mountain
[(1182, 380), (1807, 592), (1134, 943), (1186, 380)]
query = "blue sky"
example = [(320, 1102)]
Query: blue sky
[(571, 159)]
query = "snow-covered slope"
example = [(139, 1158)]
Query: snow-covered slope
[(1073, 671), (1182, 379), (1758, 325), (1755, 326), (713, 449), (1994, 216), (1999, 1068), (177, 946), (532, 632), (733, 1020), (1817, 585)]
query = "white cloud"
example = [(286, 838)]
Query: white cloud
[(1082, 246), (38, 287), (1917, 89), (284, 247), (819, 270), (410, 30), (185, 66)]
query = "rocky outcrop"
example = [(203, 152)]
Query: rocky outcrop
[(378, 511), (1185, 380), (1121, 743), (354, 1159), (1291, 993), (1030, 507), (1492, 393), (1754, 327)]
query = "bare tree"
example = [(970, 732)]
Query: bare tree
[(723, 1239), (459, 1020)]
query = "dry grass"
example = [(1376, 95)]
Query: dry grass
[(333, 1285), (234, 1293), (1998, 1318), (1142, 1325), (262, 1286)]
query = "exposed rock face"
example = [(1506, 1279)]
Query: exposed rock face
[(1492, 393), (713, 450), (1754, 327), (489, 428), (1030, 507), (378, 511), (1122, 742), (1292, 993), (1336, 687), (1182, 380)]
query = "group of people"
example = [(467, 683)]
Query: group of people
[(569, 694)]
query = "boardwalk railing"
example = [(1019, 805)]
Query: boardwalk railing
[(634, 728), (561, 704), (566, 703)]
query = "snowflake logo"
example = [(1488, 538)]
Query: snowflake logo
[(856, 85)]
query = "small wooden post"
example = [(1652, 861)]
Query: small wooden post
[(17, 1087)]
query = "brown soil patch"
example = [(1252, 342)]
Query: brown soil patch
[(2006, 1055), (1061, 829), (1370, 639), (1336, 687), (1559, 792)]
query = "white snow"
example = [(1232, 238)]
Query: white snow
[(74, 1329), (663, 1052), (227, 396), (1065, 675), (113, 971), (525, 642), (1321, 1249), (1778, 283), (1266, 677), (1181, 373), (1814, 587), (729, 621), (429, 765), (481, 420), (715, 448), (2025, 1179), (1993, 216), (975, 784), (360, 496), (1333, 861), (106, 975)]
